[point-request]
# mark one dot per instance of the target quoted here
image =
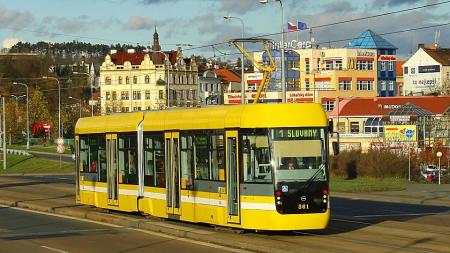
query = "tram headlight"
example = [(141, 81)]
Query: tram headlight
[(279, 203)]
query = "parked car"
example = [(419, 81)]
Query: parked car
[(429, 173)]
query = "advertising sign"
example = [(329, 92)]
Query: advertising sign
[(300, 96), (429, 69), (400, 133)]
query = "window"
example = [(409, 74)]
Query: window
[(318, 63), (364, 65), (127, 80), (147, 95), (328, 105), (255, 157), (136, 95), (365, 85), (135, 79), (391, 66), (128, 161), (391, 85), (187, 161), (124, 95), (383, 85), (354, 127), (307, 85), (322, 85), (307, 65), (154, 168), (114, 95), (405, 70), (383, 66), (413, 70), (108, 95), (338, 64), (108, 80), (373, 126), (120, 80), (93, 157), (328, 65), (345, 85), (161, 94), (147, 79), (209, 156)]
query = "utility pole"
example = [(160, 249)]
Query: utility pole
[(4, 133)]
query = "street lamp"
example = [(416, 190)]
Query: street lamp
[(439, 154), (59, 102), (28, 115), (168, 73), (78, 99), (283, 80), (17, 100), (242, 58), (90, 87)]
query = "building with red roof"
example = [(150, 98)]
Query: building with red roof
[(360, 121), (148, 80)]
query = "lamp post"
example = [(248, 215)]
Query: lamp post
[(283, 80), (59, 103), (17, 101), (242, 58), (168, 73), (28, 115), (439, 154), (79, 100), (90, 88)]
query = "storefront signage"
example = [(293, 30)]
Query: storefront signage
[(348, 146), (400, 133), (300, 97), (400, 118), (425, 82), (387, 58), (293, 44), (429, 69), (365, 54)]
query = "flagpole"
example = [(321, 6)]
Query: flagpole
[(298, 30)]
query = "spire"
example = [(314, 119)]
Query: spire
[(156, 46)]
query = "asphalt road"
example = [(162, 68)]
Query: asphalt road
[(64, 158), (356, 225), (24, 231)]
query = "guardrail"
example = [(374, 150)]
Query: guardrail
[(16, 152)]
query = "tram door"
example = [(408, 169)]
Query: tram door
[(77, 165), (173, 193), (111, 169), (233, 203)]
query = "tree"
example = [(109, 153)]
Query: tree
[(15, 121), (38, 109)]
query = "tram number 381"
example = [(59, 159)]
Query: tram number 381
[(303, 206)]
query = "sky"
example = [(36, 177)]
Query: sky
[(201, 23)]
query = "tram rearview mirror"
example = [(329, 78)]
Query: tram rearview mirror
[(330, 126), (335, 146)]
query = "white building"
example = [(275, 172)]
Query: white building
[(427, 71)]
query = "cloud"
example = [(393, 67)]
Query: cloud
[(150, 2), (138, 23), (392, 3), (15, 19), (9, 42), (62, 24), (341, 7), (239, 7)]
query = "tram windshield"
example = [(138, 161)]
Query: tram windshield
[(298, 154)]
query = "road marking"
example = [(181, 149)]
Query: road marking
[(191, 241), (63, 178), (394, 215), (64, 232), (64, 216), (53, 249)]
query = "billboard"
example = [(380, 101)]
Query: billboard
[(400, 133)]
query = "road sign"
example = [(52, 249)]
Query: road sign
[(60, 149), (60, 141)]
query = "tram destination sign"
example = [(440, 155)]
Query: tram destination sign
[(295, 133)]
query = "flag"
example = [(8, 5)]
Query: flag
[(292, 27), (301, 26)]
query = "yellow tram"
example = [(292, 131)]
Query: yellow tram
[(255, 166)]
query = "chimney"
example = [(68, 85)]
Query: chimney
[(432, 46), (421, 45), (130, 51), (113, 51)]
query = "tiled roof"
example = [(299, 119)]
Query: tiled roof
[(369, 39), (442, 55), (379, 106), (226, 75), (136, 58), (399, 68)]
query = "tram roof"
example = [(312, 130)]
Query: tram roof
[(236, 116), (120, 122)]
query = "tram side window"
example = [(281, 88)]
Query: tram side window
[(209, 156), (93, 156), (187, 162), (255, 158), (128, 165), (154, 169)]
